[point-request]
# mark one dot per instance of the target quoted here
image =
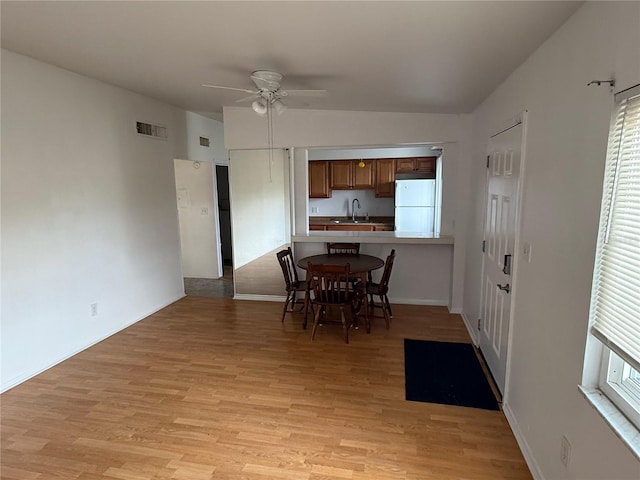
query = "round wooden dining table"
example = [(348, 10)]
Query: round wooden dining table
[(359, 266), (358, 263)]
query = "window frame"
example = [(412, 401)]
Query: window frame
[(622, 391), (607, 382)]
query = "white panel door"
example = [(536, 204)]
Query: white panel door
[(504, 157)]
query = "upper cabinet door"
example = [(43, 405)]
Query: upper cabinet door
[(419, 164), (341, 174), (363, 177), (347, 175), (405, 165), (426, 164), (319, 179), (385, 177)]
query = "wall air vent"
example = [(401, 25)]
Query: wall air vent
[(151, 130), (204, 142)]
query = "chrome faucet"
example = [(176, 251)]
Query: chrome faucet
[(353, 208)]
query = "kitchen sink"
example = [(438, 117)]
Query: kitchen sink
[(347, 220)]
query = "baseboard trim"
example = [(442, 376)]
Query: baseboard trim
[(418, 301), (213, 276), (259, 298), (522, 443), (399, 301), (473, 330), (14, 382)]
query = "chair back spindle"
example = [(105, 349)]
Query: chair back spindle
[(285, 259), (343, 248), (293, 284), (380, 289), (386, 274), (330, 285)]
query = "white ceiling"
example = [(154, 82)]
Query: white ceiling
[(421, 56)]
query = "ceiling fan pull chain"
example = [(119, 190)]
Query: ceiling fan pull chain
[(270, 137)]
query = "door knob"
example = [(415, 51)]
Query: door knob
[(504, 288)]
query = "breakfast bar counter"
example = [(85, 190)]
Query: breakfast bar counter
[(373, 237)]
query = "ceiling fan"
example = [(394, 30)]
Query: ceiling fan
[(268, 93)]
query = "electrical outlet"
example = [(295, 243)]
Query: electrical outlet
[(204, 211), (314, 209), (565, 451), (94, 309)]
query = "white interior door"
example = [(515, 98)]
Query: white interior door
[(503, 172)]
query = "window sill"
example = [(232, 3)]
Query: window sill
[(623, 428)]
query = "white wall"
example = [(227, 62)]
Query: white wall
[(259, 203), (565, 155), (196, 212), (88, 213), (336, 129), (198, 233), (356, 153), (199, 126)]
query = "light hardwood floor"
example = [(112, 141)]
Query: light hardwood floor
[(262, 276), (217, 388)]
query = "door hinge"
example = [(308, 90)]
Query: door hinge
[(479, 324), (484, 245), (488, 157)]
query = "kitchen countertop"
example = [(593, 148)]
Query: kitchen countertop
[(345, 220), (373, 237)]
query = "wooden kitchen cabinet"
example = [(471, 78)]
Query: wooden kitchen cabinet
[(363, 177), (385, 180), (317, 227), (426, 164), (416, 165), (341, 175), (319, 179), (347, 175), (383, 228)]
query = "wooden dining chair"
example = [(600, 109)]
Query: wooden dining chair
[(344, 248), (293, 285), (380, 289), (330, 288)]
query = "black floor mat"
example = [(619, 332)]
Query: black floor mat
[(447, 373)]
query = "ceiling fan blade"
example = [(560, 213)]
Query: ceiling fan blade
[(249, 98), (304, 93), (246, 90)]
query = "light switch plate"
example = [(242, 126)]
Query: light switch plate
[(526, 251)]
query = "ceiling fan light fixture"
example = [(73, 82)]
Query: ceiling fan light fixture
[(279, 107), (260, 107)]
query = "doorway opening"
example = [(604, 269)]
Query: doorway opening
[(201, 258), (224, 217)]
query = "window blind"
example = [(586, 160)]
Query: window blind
[(615, 301)]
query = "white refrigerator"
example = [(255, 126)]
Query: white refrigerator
[(415, 205)]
